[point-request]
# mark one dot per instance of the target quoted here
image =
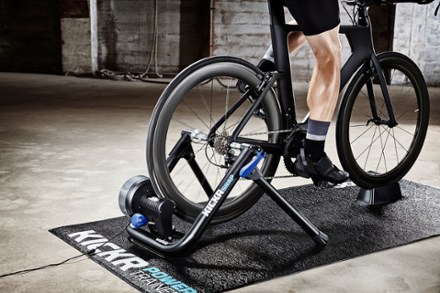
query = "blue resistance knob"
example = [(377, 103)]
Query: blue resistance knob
[(138, 220)]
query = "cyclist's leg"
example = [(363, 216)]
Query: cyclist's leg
[(319, 20), (295, 42), (321, 99), (324, 84)]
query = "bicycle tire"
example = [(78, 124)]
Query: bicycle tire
[(391, 152), (182, 108)]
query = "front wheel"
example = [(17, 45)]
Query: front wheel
[(374, 152)]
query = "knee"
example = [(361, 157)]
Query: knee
[(326, 56)]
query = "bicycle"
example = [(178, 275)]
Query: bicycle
[(186, 157)]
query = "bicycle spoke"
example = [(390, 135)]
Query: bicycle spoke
[(404, 130), (358, 125), (226, 105), (205, 103), (395, 146), (211, 103), (373, 140), (382, 152), (375, 146), (353, 141), (368, 115), (396, 140), (238, 117), (195, 114), (369, 150)]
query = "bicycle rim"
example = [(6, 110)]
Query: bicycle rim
[(194, 106), (376, 154)]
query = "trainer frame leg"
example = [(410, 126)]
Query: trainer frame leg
[(318, 236)]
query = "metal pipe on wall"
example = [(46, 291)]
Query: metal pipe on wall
[(94, 34)]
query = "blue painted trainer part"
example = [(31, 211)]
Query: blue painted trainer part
[(138, 220), (249, 168)]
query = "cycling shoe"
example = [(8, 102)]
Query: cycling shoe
[(322, 172)]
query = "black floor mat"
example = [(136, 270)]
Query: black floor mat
[(264, 242)]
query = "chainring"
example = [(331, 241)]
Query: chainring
[(292, 148)]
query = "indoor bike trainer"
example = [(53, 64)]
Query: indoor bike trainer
[(137, 199), (230, 162)]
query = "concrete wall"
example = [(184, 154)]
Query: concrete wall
[(241, 29), (75, 36), (417, 34), (123, 39), (118, 35), (30, 36), (125, 34)]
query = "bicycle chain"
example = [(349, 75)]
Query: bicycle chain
[(272, 132), (268, 132), (273, 177)]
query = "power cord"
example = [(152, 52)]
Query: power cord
[(153, 58), (154, 48), (88, 254)]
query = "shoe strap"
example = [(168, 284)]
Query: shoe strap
[(324, 165), (303, 156)]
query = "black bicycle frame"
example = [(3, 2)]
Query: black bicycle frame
[(359, 37), (361, 44)]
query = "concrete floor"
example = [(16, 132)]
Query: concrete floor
[(68, 144)]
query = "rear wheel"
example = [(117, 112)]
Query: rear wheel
[(189, 152)]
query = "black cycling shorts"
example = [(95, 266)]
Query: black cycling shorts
[(314, 16)]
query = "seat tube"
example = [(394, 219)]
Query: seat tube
[(279, 33)]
